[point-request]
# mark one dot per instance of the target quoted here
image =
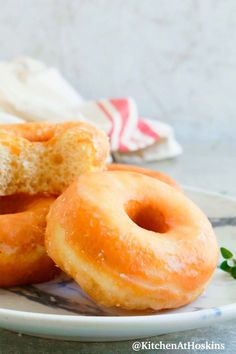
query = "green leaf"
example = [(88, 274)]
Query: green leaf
[(233, 272), (225, 267), (226, 254)]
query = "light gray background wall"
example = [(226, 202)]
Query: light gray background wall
[(177, 58)]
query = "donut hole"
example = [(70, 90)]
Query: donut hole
[(36, 135), (39, 138), (14, 203), (147, 216)]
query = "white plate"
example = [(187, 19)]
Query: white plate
[(59, 309)]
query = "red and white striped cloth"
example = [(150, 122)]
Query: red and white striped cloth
[(127, 132), (131, 137), (34, 92)]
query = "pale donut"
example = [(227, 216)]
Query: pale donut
[(23, 259), (144, 171), (44, 157), (131, 241)]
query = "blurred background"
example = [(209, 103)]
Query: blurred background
[(177, 58)]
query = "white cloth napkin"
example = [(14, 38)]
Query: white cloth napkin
[(31, 91)]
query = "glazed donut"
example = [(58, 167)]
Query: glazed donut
[(132, 241), (23, 258), (145, 171), (43, 157)]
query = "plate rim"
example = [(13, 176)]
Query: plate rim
[(225, 311), (221, 312)]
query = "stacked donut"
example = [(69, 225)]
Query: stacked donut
[(127, 235), (37, 163)]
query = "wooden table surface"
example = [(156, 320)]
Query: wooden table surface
[(211, 167)]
